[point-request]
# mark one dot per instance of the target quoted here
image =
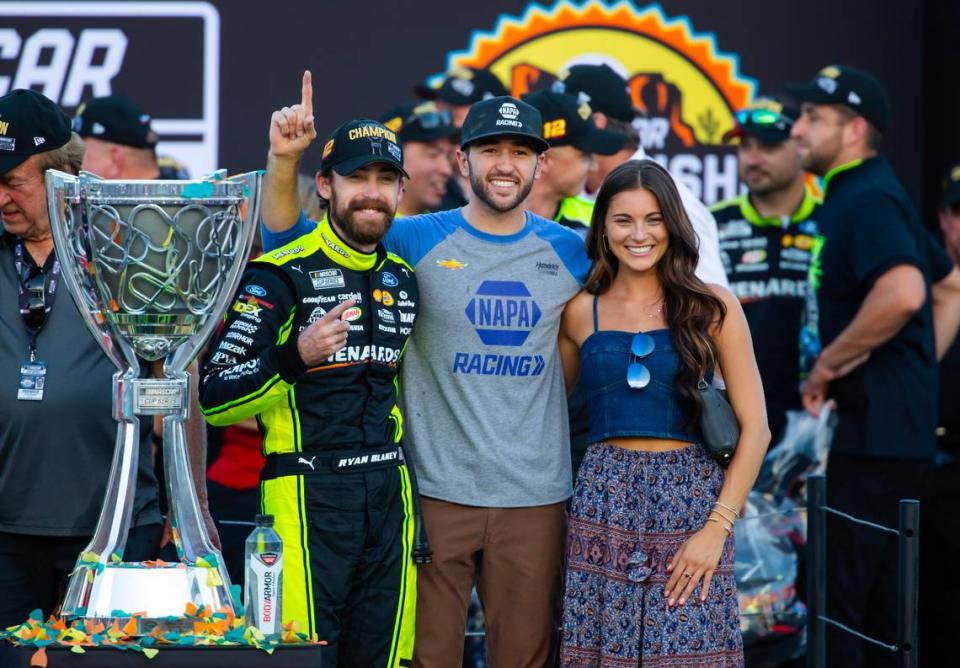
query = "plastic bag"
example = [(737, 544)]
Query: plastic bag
[(801, 452), (766, 570)]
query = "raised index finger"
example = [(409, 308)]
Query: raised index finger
[(306, 94)]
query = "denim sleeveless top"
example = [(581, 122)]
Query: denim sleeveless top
[(617, 410)]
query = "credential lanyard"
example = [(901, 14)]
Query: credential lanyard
[(31, 322)]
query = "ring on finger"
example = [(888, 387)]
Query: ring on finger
[(687, 575)]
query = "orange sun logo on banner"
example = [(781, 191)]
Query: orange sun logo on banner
[(687, 89)]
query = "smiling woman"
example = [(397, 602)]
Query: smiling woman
[(650, 538)]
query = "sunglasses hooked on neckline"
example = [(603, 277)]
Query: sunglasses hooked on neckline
[(638, 375)]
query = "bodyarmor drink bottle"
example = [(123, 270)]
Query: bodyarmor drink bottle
[(264, 577)]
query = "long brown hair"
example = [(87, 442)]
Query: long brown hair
[(691, 308)]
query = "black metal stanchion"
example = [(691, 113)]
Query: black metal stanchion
[(908, 584), (816, 572)]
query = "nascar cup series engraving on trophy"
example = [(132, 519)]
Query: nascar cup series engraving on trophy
[(151, 266)]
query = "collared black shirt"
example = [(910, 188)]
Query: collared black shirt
[(887, 406)]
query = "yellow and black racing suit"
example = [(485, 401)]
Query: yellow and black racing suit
[(335, 479)]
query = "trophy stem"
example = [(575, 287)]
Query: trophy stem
[(110, 536), (189, 529)]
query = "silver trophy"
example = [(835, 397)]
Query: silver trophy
[(152, 266)]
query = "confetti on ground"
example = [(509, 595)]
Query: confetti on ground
[(207, 628)]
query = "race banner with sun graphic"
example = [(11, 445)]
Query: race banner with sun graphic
[(685, 87)]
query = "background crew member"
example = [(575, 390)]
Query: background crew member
[(311, 347), (427, 136), (57, 448), (878, 360), (120, 142), (575, 141), (766, 243), (940, 512)]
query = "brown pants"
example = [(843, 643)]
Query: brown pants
[(515, 556)]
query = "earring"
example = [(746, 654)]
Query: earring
[(604, 243)]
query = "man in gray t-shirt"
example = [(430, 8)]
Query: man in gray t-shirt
[(482, 388)]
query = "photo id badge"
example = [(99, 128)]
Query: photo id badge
[(32, 377)]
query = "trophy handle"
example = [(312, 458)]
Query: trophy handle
[(76, 264), (185, 353)]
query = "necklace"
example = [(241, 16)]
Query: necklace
[(657, 312)]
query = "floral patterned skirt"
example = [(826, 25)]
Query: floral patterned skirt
[(631, 512)]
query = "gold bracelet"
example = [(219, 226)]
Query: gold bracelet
[(731, 520), (732, 510), (726, 519), (727, 529)]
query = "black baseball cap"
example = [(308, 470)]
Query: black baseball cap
[(567, 122), (464, 86), (420, 121), (30, 123), (115, 119), (359, 143), (950, 188), (601, 86), (856, 89), (503, 116), (766, 118)]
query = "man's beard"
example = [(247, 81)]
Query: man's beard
[(361, 233), (769, 184), (481, 189)]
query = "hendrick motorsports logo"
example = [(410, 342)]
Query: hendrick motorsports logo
[(503, 312), (685, 86), (72, 52)]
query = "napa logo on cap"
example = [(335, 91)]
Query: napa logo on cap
[(509, 110), (503, 313), (686, 86)]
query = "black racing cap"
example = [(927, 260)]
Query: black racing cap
[(766, 118), (601, 86), (115, 119), (464, 86), (503, 116), (567, 122), (420, 121), (840, 84), (359, 143), (950, 189), (30, 123)]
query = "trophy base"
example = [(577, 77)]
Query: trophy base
[(156, 596)]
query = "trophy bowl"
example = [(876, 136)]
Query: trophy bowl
[(151, 266)]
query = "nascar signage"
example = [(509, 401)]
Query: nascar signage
[(164, 55), (685, 87)]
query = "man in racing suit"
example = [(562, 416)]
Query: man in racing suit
[(768, 239), (311, 347)]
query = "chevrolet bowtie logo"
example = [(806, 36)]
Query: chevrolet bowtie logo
[(451, 264)]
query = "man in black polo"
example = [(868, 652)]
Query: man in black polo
[(767, 237), (878, 360), (56, 440)]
